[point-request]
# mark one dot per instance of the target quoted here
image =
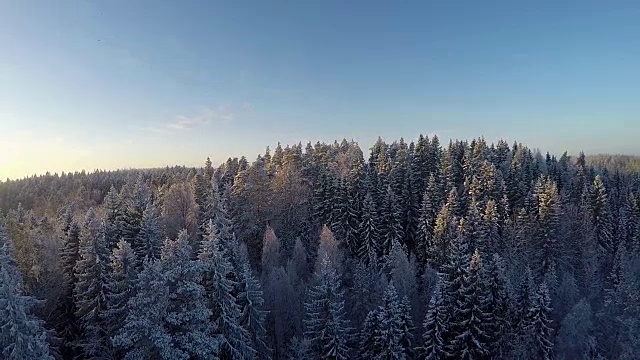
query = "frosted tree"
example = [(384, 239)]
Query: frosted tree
[(386, 333), (325, 321), (252, 315), (498, 307), (90, 289), (149, 240), (369, 233), (187, 297), (69, 254), (147, 333), (114, 218), (600, 215), (120, 286), (225, 313), (22, 335), (538, 326), (470, 320), (402, 270), (435, 322)]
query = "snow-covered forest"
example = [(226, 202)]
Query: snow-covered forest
[(412, 251)]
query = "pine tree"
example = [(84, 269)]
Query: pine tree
[(22, 335), (120, 287), (226, 316), (90, 289), (325, 321), (435, 322)]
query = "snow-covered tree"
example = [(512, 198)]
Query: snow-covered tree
[(369, 232), (326, 325), (120, 286), (90, 289), (252, 315), (538, 326), (149, 240), (434, 324), (471, 337), (22, 335), (235, 340), (386, 333)]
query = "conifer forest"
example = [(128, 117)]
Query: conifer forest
[(407, 250)]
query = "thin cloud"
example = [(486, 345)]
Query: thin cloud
[(208, 116)]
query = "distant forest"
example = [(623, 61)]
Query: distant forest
[(416, 251)]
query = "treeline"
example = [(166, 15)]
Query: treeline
[(419, 251)]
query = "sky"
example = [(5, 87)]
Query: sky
[(123, 84)]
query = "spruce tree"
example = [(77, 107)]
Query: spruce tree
[(538, 326), (370, 235), (326, 325), (470, 320), (386, 333), (120, 286), (221, 298), (90, 289), (149, 240), (434, 324)]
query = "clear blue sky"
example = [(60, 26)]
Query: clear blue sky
[(108, 84)]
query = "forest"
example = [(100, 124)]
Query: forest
[(413, 251)]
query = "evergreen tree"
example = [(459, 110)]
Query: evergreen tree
[(119, 287), (149, 240), (325, 321), (90, 289), (148, 331), (434, 325), (22, 335), (601, 216), (386, 333), (538, 326), (235, 340), (252, 315), (470, 320), (370, 240)]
